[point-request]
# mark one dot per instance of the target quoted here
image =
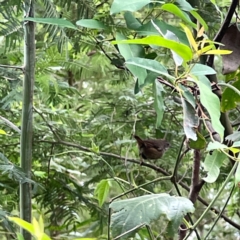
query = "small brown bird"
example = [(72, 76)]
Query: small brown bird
[(151, 148)]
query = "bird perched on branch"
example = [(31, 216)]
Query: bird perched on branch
[(151, 148)]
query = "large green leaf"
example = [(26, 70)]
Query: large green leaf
[(130, 51), (201, 69), (172, 8), (212, 165), (190, 120), (132, 213), (149, 64), (91, 23), (131, 21), (211, 102), (148, 29), (158, 101), (182, 50), (126, 5), (53, 21)]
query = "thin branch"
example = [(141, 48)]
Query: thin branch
[(14, 67)]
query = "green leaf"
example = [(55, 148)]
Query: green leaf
[(212, 165), (158, 102), (200, 19), (188, 95), (216, 145), (182, 50), (2, 132), (91, 23), (131, 213), (151, 65), (131, 21), (200, 143), (102, 191), (230, 98), (130, 51), (179, 13), (190, 120), (53, 21), (233, 137), (23, 224), (126, 5), (184, 5), (201, 69), (211, 102), (149, 29), (20, 236)]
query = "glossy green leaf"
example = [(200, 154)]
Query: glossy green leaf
[(132, 213), (151, 65), (212, 165), (91, 23), (149, 29), (102, 191), (170, 7), (158, 102), (126, 5), (131, 21), (200, 143), (211, 102), (182, 50), (230, 98), (190, 120), (130, 51), (53, 21), (201, 69)]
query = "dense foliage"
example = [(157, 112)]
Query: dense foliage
[(106, 70)]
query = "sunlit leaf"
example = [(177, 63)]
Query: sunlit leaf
[(2, 132), (218, 52), (182, 50), (190, 37), (170, 7)]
